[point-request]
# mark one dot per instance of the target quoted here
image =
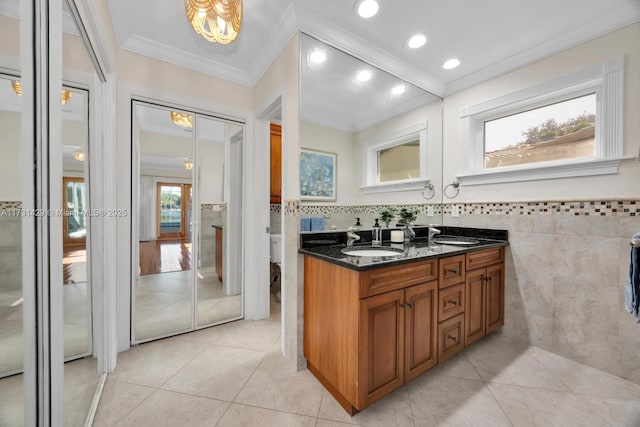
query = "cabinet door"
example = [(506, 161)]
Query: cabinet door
[(494, 297), (276, 163), (420, 322), (382, 335), (474, 306)]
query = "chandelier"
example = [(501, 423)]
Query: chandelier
[(182, 119), (216, 20), (65, 95)]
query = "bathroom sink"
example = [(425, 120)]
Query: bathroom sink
[(372, 251), (455, 240)]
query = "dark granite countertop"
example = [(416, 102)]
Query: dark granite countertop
[(328, 247)]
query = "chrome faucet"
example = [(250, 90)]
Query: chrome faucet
[(432, 232), (351, 237)]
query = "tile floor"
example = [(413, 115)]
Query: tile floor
[(234, 375), (163, 302)]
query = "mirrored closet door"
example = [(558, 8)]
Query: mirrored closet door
[(189, 202)]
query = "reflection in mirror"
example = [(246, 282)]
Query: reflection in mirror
[(219, 291), (12, 245), (163, 290), (189, 232), (386, 132)]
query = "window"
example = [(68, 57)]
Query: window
[(397, 161), (571, 126)]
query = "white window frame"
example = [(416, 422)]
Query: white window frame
[(371, 183), (605, 79)]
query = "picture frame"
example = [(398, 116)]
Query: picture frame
[(318, 179)]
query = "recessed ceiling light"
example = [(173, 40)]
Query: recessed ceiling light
[(367, 8), (417, 40), (450, 64), (398, 90), (364, 75), (318, 56)]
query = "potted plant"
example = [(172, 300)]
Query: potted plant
[(387, 215), (407, 216)]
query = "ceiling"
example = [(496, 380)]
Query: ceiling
[(489, 37)]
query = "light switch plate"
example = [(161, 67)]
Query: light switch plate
[(455, 212), (429, 210)]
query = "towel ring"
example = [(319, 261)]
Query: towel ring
[(635, 242), (456, 188), (432, 191)]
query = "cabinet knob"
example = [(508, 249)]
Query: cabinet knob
[(407, 305)]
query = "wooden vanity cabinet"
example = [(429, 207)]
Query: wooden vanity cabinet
[(484, 299)]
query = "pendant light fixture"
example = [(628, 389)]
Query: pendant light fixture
[(216, 20), (65, 95), (182, 119)]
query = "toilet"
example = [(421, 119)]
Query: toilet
[(276, 258)]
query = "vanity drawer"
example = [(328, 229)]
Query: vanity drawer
[(484, 258), (450, 302), (452, 271), (450, 337), (381, 280)]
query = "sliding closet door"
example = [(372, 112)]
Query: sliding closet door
[(162, 141), (219, 280)]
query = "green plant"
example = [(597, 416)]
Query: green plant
[(387, 215), (407, 216)]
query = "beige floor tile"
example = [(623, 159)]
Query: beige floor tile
[(165, 408), (328, 423), (510, 364), (258, 335), (274, 385), (249, 416), (437, 400), (117, 400), (458, 366), (217, 372), (393, 410), (620, 413), (11, 401), (584, 379), (153, 363), (526, 406)]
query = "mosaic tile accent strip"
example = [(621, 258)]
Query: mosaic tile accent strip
[(608, 208), (292, 207), (361, 209), (10, 205), (214, 207), (275, 208)]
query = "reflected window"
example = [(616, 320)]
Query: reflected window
[(399, 162)]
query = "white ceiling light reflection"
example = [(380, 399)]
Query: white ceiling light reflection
[(450, 64), (318, 56), (398, 90), (364, 75), (416, 41), (367, 8)]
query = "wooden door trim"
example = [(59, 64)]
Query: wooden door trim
[(183, 225)]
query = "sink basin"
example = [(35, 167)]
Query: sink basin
[(372, 251), (455, 240)]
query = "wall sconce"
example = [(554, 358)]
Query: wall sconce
[(188, 164), (79, 155)]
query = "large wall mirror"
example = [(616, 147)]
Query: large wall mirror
[(187, 273), (386, 132)]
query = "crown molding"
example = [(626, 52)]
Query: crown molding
[(166, 53), (617, 19), (314, 24), (286, 28)]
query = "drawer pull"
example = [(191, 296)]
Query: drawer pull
[(450, 271), (452, 338), (452, 302), (407, 305)]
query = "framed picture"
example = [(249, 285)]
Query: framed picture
[(317, 175)]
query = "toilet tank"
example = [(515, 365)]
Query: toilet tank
[(276, 248)]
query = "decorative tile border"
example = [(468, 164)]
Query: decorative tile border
[(608, 208), (275, 208), (361, 209), (214, 207), (292, 207), (10, 205)]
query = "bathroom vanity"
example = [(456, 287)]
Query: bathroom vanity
[(373, 323)]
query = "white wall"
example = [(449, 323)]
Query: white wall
[(10, 158), (625, 184), (322, 138), (211, 159)]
